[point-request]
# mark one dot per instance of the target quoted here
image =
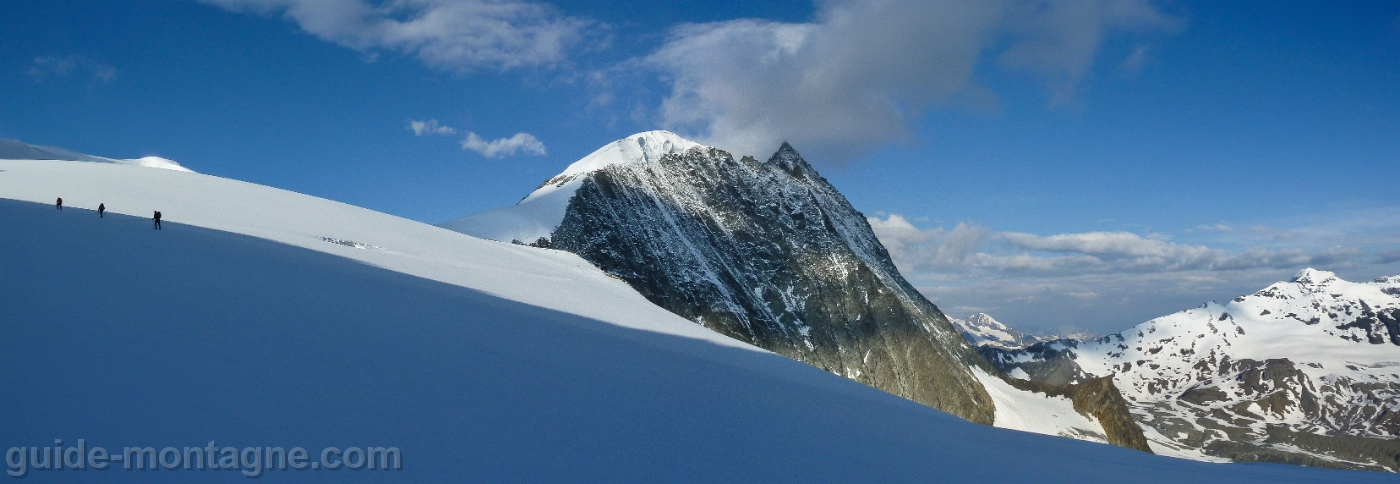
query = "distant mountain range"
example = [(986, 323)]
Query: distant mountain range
[(1305, 371), (981, 329)]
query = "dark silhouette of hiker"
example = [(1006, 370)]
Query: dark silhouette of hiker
[(157, 218), (101, 207), (60, 203)]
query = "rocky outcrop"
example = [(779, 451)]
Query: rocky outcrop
[(1096, 397)]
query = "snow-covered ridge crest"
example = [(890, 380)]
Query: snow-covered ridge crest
[(644, 147), (18, 150), (540, 212), (1314, 277)]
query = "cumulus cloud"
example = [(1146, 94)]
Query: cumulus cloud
[(430, 127), (447, 34), (525, 142), (45, 67), (928, 250), (863, 71), (1107, 281)]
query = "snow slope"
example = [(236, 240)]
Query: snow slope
[(261, 317), (1038, 413)]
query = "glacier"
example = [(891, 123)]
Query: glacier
[(483, 361)]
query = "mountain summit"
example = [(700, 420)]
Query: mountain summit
[(981, 329), (766, 252)]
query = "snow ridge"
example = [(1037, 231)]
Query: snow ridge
[(16, 150)]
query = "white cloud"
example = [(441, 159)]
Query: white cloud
[(45, 67), (430, 127), (447, 34), (1107, 281), (865, 70), (504, 146), (928, 250)]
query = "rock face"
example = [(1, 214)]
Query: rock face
[(1099, 398), (769, 253), (766, 252), (1302, 372)]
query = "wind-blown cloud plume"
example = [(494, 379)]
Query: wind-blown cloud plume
[(865, 70), (45, 67), (525, 142), (446, 34)]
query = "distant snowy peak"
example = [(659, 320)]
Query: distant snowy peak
[(1281, 369), (981, 329), (18, 150)]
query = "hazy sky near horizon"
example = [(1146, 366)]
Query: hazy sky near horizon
[(1072, 163)]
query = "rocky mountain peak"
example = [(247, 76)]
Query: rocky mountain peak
[(767, 253)]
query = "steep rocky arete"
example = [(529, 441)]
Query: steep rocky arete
[(766, 252)]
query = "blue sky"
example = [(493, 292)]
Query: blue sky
[(1057, 164)]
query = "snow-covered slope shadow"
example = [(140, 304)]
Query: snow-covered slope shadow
[(124, 336)]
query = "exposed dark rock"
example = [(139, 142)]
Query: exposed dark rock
[(1099, 398), (1052, 362), (769, 253)]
